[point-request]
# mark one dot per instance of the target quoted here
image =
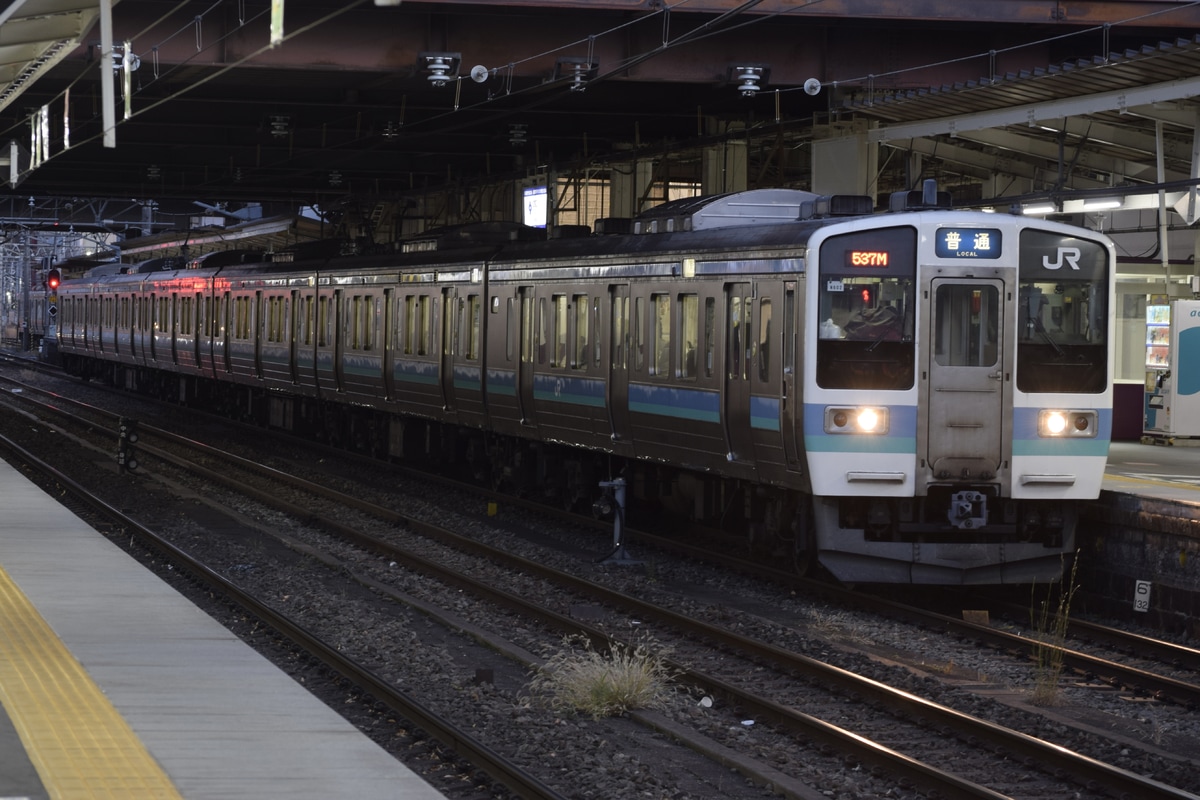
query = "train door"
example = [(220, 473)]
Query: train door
[(617, 398), (739, 336), (966, 379), (304, 338), (529, 347), (450, 313)]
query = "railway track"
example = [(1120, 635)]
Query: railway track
[(1148, 677), (934, 729), (521, 782)]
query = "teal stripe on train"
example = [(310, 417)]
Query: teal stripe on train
[(562, 388), (1026, 441), (900, 438), (699, 405)]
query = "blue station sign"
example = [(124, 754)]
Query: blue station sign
[(967, 243)]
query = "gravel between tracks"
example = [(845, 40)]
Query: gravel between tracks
[(613, 758)]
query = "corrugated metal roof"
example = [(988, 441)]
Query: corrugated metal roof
[(35, 35), (1149, 65)]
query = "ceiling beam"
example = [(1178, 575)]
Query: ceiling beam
[(1035, 113)]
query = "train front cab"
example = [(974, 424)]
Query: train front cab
[(954, 449)]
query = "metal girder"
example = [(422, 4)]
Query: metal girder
[(1045, 149), (1127, 12), (1035, 113), (983, 163)]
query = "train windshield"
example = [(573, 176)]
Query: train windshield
[(1062, 333), (867, 310)]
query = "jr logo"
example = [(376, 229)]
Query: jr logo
[(1069, 255)]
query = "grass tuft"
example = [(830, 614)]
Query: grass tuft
[(1050, 621), (603, 684)]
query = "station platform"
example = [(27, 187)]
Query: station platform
[(1155, 470), (112, 685)]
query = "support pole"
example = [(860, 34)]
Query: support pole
[(107, 95)]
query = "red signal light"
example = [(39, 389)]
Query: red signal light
[(53, 279)]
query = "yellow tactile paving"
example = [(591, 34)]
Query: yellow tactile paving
[(81, 747)]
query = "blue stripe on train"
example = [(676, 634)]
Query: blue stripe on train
[(700, 405)]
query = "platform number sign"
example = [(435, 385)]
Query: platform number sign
[(1141, 596)]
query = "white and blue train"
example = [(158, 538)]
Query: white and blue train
[(921, 395)]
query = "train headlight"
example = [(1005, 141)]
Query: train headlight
[(856, 419), (1058, 424)]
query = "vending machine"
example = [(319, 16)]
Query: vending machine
[(1173, 372)]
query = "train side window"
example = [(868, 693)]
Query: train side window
[(322, 321), (560, 330), (508, 327), (304, 319), (541, 331), (392, 329), (764, 340), (660, 305), (734, 357), (410, 324), (710, 339), (596, 328), (620, 328), (689, 331), (451, 310), (271, 311), (527, 334), (424, 325), (474, 325), (579, 359), (639, 335), (356, 322)]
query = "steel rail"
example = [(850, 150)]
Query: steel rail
[(454, 738)]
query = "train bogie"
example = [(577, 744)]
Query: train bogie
[(909, 397)]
